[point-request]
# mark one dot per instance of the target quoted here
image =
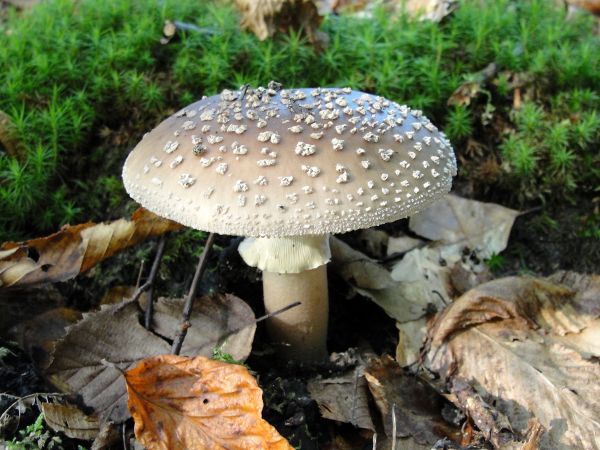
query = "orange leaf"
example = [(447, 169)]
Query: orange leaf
[(75, 249), (181, 403)]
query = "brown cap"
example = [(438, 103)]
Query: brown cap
[(274, 162)]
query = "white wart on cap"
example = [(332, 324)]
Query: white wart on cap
[(274, 162)]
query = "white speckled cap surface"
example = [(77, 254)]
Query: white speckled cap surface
[(275, 162)]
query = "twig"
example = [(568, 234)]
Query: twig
[(123, 436), (140, 273), (393, 426), (275, 313), (189, 300), (150, 282), (374, 441)]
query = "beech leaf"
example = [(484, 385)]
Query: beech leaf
[(517, 329), (221, 320), (88, 360), (71, 421), (181, 403), (75, 249), (466, 223)]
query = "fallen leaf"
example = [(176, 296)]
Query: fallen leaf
[(223, 321), (22, 303), (88, 360), (181, 403), (344, 398), (71, 421), (471, 87), (432, 10), (37, 336), (265, 18), (466, 223), (494, 425), (413, 405), (75, 249), (402, 244), (374, 281), (507, 338)]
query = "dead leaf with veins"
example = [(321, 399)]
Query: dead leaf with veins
[(515, 328), (218, 321), (180, 403), (466, 223), (75, 249), (71, 421), (344, 398), (88, 360)]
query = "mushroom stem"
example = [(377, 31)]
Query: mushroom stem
[(294, 269), (301, 331)]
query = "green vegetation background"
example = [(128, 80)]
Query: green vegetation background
[(82, 81)]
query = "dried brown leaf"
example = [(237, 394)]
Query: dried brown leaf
[(88, 360), (507, 338), (416, 406), (71, 421), (220, 320), (38, 335), (433, 10), (266, 17), (466, 223), (344, 398), (8, 137), (181, 403), (75, 249)]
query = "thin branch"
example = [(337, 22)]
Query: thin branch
[(393, 426), (277, 312), (189, 299), (150, 282)]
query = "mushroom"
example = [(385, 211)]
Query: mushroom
[(286, 168)]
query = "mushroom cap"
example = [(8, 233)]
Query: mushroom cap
[(272, 162)]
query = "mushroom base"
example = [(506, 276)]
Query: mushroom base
[(301, 332)]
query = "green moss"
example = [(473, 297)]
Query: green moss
[(82, 83)]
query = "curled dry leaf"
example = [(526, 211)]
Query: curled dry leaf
[(181, 403), (221, 320), (89, 359), (71, 421), (515, 329), (344, 398), (75, 249)]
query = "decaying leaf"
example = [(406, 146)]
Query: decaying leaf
[(71, 421), (181, 403), (344, 398), (507, 337), (89, 358), (75, 249), (374, 281), (38, 335), (266, 17), (411, 404), (471, 87), (223, 321), (466, 223), (433, 10)]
